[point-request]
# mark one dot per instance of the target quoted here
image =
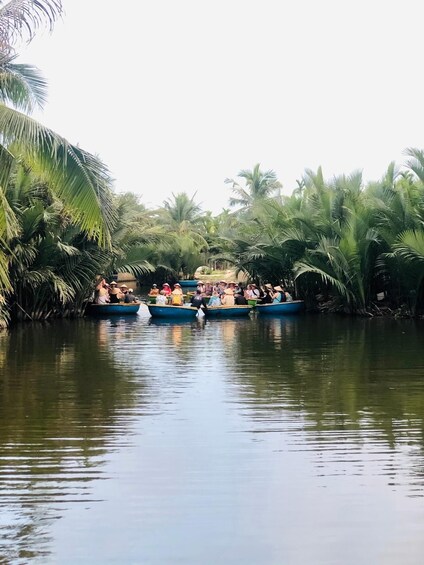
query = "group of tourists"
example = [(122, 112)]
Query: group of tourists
[(222, 293), (111, 293)]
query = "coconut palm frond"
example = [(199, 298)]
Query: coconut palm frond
[(20, 19), (22, 86), (78, 178)]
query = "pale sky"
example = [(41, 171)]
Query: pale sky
[(178, 95)]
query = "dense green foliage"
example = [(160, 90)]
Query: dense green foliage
[(339, 244)]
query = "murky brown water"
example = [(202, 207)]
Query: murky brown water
[(257, 442)]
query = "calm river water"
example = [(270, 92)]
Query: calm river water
[(265, 441)]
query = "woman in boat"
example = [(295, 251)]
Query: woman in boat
[(214, 300), (167, 289), (114, 293), (177, 298), (227, 299), (268, 294), (102, 293), (161, 298), (123, 291), (278, 295), (154, 291)]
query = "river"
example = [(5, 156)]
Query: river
[(265, 441)]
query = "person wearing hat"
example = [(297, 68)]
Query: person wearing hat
[(167, 289), (129, 297), (114, 293), (279, 295), (222, 285), (177, 298), (154, 291), (227, 299), (123, 291), (268, 294)]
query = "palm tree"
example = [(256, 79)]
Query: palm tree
[(182, 251), (80, 180), (258, 186)]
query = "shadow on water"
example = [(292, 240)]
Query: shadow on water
[(62, 399)]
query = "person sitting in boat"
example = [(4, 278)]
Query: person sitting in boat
[(129, 297), (222, 285), (167, 289), (154, 291), (268, 294), (208, 288), (177, 298), (239, 298), (214, 300), (279, 295), (114, 293), (102, 293), (227, 299), (123, 291), (289, 297), (198, 301), (161, 298)]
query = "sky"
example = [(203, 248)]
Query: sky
[(177, 96)]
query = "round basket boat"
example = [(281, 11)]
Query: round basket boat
[(188, 283)]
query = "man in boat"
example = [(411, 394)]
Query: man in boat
[(129, 297), (198, 301), (239, 299)]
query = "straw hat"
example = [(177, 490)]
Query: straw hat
[(268, 285), (229, 291), (278, 288), (177, 284), (123, 286), (113, 283), (130, 290), (165, 284)]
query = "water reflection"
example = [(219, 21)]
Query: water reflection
[(209, 441), (349, 392), (61, 400)]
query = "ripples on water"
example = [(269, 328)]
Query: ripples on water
[(234, 441)]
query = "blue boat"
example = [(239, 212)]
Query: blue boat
[(188, 283), (120, 309), (227, 311), (172, 312), (294, 307)]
